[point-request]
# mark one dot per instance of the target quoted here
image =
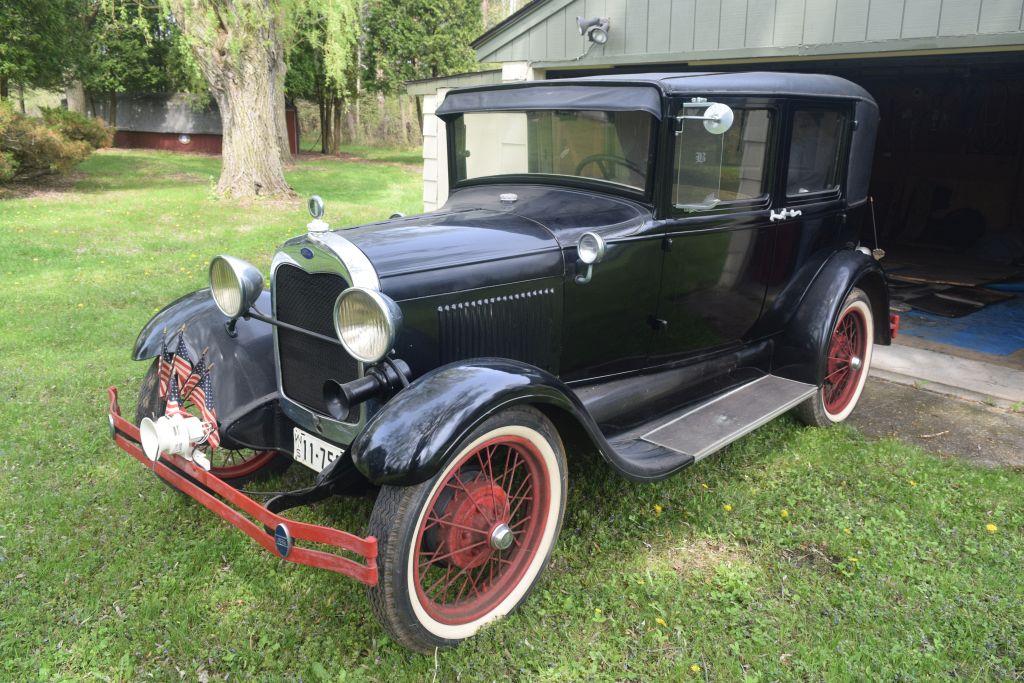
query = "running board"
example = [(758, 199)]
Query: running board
[(700, 431)]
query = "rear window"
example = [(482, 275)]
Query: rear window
[(815, 163)]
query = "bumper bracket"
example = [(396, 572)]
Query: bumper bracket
[(215, 495)]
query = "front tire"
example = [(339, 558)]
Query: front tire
[(847, 363), (467, 546)]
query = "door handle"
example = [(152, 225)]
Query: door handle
[(783, 214)]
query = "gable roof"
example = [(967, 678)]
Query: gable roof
[(513, 18)]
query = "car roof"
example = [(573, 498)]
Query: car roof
[(762, 83), (776, 83)]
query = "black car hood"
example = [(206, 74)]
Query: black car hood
[(476, 227)]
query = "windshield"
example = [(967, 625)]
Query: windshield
[(612, 146)]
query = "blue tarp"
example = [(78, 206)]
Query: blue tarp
[(997, 329)]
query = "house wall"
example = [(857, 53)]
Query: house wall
[(435, 140), (711, 30)]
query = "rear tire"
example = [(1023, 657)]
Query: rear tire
[(261, 464), (468, 545), (847, 363)]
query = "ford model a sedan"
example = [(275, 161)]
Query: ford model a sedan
[(645, 267)]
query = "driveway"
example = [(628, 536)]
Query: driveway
[(984, 435)]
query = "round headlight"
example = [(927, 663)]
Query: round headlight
[(366, 322), (590, 247), (235, 285)]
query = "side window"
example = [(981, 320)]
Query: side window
[(712, 169), (815, 151)]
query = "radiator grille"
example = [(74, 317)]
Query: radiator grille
[(517, 326), (306, 300)]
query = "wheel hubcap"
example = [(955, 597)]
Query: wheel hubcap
[(502, 537)]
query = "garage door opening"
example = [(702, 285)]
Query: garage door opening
[(948, 185)]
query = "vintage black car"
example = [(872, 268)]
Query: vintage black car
[(647, 267)]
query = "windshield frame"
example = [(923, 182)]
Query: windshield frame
[(644, 194)]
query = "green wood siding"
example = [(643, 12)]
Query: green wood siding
[(693, 30)]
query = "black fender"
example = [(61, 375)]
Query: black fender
[(244, 374), (415, 433), (799, 353)]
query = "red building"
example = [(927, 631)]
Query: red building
[(172, 122)]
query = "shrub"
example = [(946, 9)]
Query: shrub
[(28, 148), (75, 126)]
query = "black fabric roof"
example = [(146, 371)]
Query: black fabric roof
[(642, 92), (576, 95)]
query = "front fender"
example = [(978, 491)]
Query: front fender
[(799, 353), (416, 432), (244, 375)]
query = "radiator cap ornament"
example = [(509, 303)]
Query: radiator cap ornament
[(316, 210)]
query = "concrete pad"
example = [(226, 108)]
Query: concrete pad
[(943, 425), (950, 375)]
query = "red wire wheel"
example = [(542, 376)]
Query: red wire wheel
[(466, 546), (846, 362), (482, 530)]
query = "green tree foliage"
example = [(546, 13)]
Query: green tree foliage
[(410, 39), (38, 42), (129, 48), (323, 60)]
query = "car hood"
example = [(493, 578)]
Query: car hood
[(475, 226), (449, 239)]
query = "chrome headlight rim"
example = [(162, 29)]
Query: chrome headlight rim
[(386, 308), (590, 248), (247, 284)]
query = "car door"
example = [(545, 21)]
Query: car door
[(718, 239), (810, 223)]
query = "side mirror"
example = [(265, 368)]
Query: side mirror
[(717, 117), (590, 249)]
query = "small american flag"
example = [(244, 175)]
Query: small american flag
[(202, 397), (198, 370), (164, 366), (173, 398), (182, 362)]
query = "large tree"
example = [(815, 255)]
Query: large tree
[(38, 40), (410, 39), (322, 61), (238, 47)]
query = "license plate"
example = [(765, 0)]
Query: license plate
[(312, 452)]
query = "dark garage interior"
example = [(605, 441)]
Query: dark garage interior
[(948, 185)]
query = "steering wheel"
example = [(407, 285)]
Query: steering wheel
[(605, 163)]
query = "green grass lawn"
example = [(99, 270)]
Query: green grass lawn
[(796, 554)]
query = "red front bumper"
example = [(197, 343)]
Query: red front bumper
[(126, 436)]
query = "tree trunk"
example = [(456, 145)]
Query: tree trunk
[(336, 126), (279, 67), (403, 136), (21, 97), (322, 104), (4, 92), (112, 110), (75, 93), (240, 57)]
